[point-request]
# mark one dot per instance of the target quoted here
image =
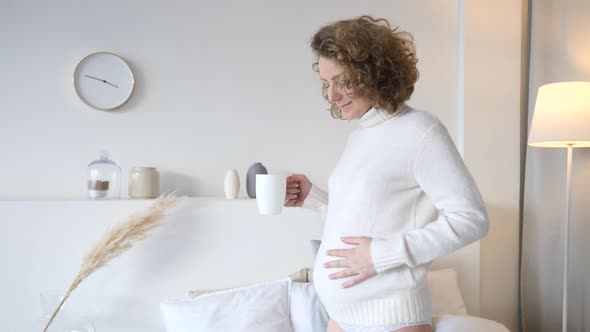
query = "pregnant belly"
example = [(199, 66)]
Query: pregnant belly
[(331, 291), (333, 294)]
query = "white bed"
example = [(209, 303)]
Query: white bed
[(206, 244)]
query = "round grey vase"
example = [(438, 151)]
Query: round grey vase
[(256, 168)]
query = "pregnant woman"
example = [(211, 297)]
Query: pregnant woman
[(400, 195)]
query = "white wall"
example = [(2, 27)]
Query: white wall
[(223, 84), (493, 55), (219, 85)]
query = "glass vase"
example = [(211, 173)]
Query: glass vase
[(104, 178), (62, 322)]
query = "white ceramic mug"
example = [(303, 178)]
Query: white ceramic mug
[(270, 193)]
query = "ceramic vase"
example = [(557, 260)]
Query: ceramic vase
[(144, 182), (232, 184), (256, 168)]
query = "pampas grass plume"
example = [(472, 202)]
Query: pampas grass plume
[(117, 240)]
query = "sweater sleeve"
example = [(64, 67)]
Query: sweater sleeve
[(462, 219), (317, 200)]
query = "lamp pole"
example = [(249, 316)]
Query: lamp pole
[(570, 152)]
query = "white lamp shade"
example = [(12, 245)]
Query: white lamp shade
[(561, 116)]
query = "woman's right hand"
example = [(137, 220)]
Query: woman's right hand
[(298, 188)]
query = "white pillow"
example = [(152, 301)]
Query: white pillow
[(446, 296), (257, 308), (307, 311), (453, 323)]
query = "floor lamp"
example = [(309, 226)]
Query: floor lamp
[(562, 120)]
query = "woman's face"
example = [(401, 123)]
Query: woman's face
[(332, 76)]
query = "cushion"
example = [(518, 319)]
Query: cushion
[(307, 312), (257, 308), (455, 323), (446, 296), (303, 275), (315, 246)]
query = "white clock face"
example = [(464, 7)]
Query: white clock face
[(103, 80)]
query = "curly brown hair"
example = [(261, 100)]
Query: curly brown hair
[(379, 62)]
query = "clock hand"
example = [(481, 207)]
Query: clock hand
[(109, 83), (94, 78), (104, 81)]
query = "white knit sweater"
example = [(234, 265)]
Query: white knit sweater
[(401, 182)]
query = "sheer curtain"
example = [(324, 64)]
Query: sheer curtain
[(560, 51)]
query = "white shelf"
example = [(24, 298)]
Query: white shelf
[(123, 200)]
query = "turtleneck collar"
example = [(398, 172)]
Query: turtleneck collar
[(376, 117)]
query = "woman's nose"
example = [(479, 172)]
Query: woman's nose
[(334, 94)]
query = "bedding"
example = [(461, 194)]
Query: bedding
[(305, 309), (307, 312), (258, 308), (285, 305), (462, 323)]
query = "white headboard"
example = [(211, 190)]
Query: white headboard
[(206, 244)]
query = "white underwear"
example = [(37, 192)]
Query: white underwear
[(378, 328)]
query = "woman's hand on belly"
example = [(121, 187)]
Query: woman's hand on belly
[(357, 261)]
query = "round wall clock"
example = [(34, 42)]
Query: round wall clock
[(103, 80)]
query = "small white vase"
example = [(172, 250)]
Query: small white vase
[(232, 184)]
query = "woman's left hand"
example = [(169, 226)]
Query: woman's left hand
[(357, 260)]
